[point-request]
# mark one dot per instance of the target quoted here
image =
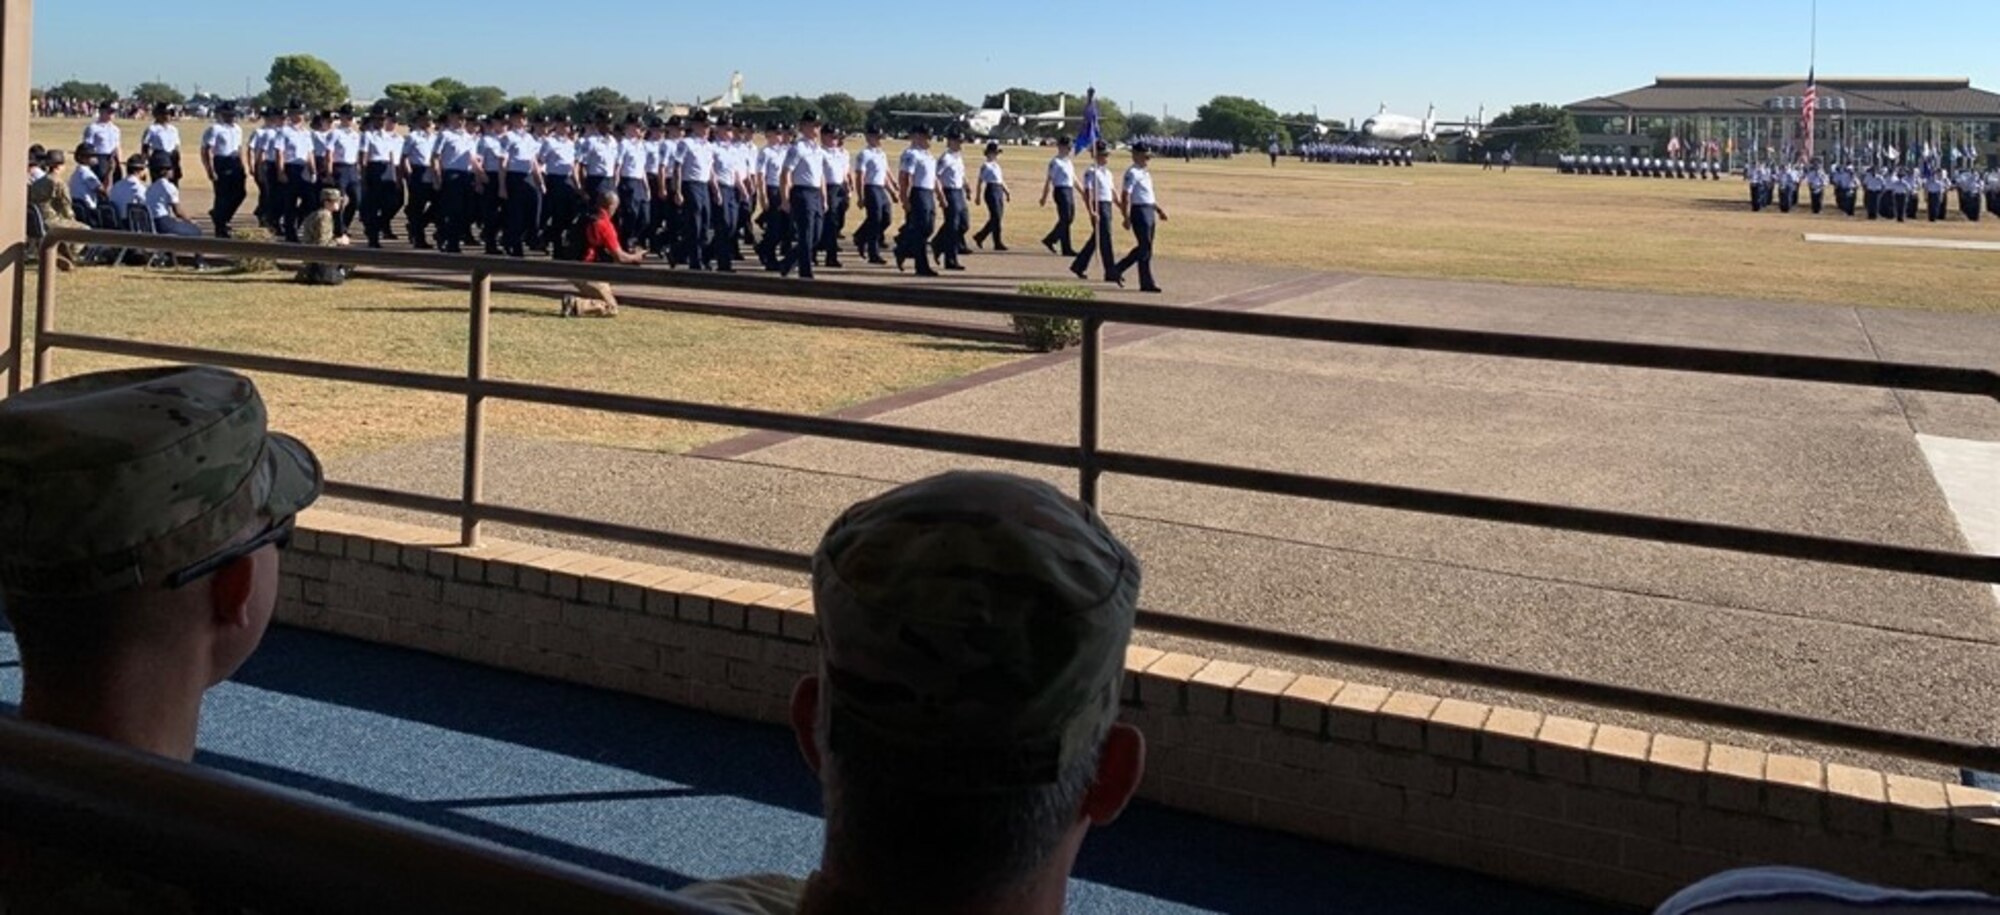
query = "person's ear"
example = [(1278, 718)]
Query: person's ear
[(1119, 765), (230, 590), (805, 720)]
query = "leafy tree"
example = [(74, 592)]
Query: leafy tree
[(553, 105), (1560, 137), (479, 98), (150, 94), (528, 103), (1141, 124), (1025, 101), (787, 108), (448, 87), (306, 79), (911, 101), (1171, 126), (841, 110), (1231, 118), (79, 89), (599, 98), (412, 96)]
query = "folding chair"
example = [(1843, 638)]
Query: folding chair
[(139, 219)]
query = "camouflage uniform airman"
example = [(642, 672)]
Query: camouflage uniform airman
[(972, 625)]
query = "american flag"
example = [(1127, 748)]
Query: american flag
[(1811, 104)]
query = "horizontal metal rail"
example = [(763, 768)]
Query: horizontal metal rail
[(1819, 369), (236, 842), (1090, 460), (1732, 538)]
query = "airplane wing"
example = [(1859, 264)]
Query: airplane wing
[(943, 115), (1485, 132)]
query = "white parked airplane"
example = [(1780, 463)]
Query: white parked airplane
[(1402, 130), (1002, 123), (729, 99)]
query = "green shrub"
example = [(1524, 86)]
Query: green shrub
[(1044, 334), (253, 264)]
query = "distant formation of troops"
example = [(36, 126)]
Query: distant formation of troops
[(1187, 148), (1351, 154), (694, 191), (1881, 192), (1640, 167)]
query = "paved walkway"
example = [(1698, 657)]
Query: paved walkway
[(1888, 649), (667, 796)]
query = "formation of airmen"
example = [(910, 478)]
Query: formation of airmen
[(1882, 191), (694, 191), (1640, 167), (1351, 154), (1188, 147)]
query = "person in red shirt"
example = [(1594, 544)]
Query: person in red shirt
[(600, 246)]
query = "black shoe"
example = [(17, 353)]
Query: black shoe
[(927, 271), (1069, 254), (1118, 278), (899, 264), (1154, 289), (979, 240), (878, 261), (999, 247), (833, 262), (421, 245), (390, 236), (963, 250), (1051, 246), (954, 266), (1079, 273)]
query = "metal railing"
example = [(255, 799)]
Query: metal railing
[(1090, 460), (246, 843)]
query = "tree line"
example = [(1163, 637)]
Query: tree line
[(1244, 121)]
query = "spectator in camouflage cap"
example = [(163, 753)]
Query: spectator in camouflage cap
[(972, 632), (140, 516)]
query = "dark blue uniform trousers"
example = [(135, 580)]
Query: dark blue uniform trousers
[(807, 216)]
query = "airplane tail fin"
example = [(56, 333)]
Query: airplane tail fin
[(1006, 103), (736, 88), (1430, 123)]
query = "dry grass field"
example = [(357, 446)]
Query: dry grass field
[(397, 325), (1530, 226)]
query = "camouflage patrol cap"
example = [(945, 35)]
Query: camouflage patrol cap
[(116, 480), (973, 628)]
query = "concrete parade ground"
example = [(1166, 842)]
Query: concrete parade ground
[(1892, 650)]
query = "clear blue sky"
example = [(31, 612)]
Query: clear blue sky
[(1344, 56)]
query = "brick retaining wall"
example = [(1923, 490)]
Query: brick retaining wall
[(1607, 812)]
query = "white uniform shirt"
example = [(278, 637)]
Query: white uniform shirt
[(839, 168), (103, 138), (161, 198), (296, 143), (729, 168), (129, 190), (921, 168), (455, 150), (345, 146), (1139, 186), (874, 167), (260, 142), (381, 146), (419, 147), (84, 186), (492, 153), (990, 173), (1099, 184), (806, 162), (163, 138), (558, 157), (951, 171), (223, 140), (523, 150), (599, 155), (697, 160), (1062, 173), (771, 163), (632, 156)]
